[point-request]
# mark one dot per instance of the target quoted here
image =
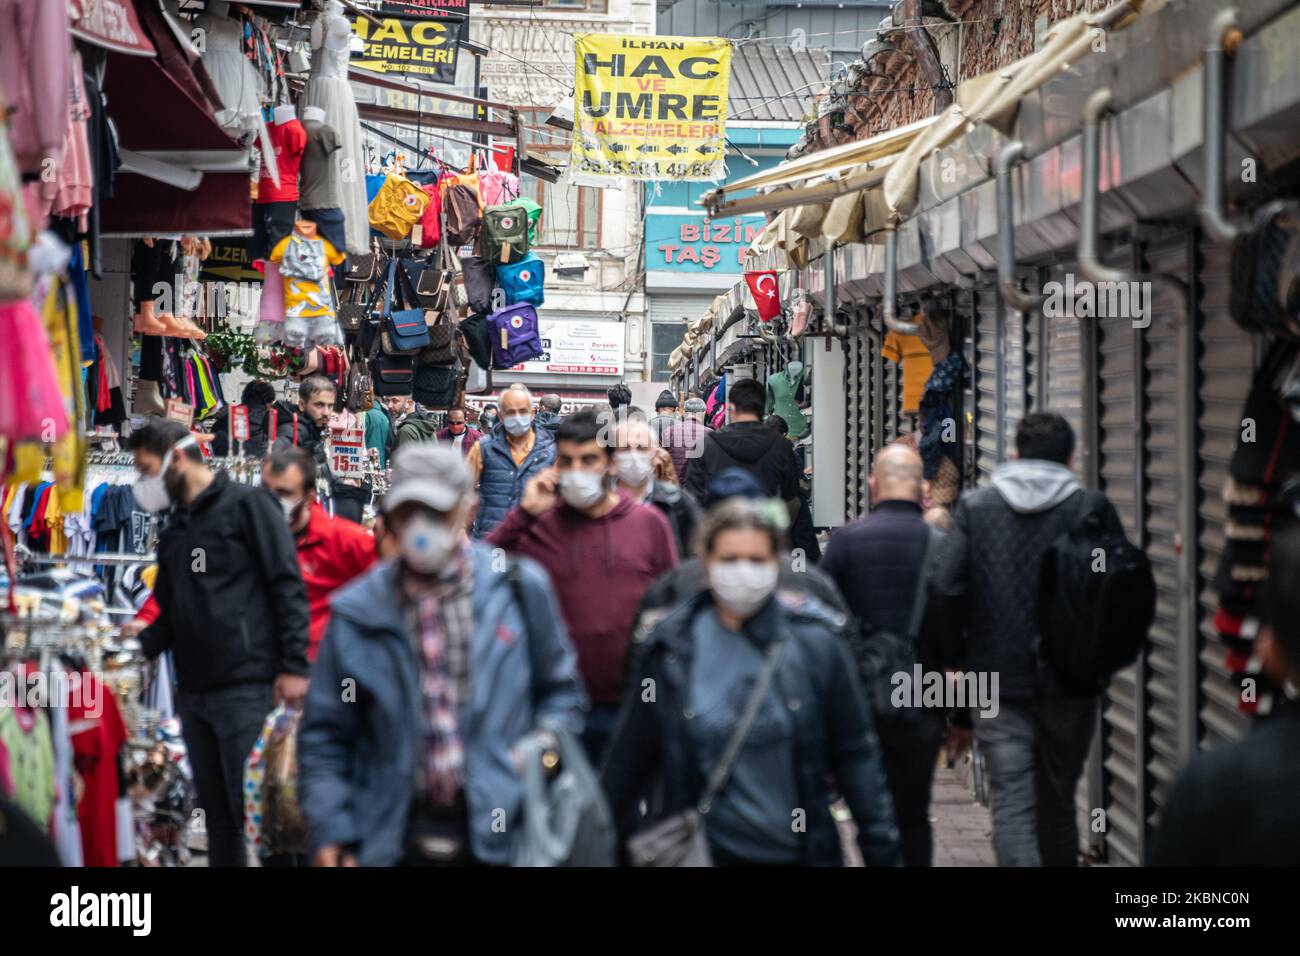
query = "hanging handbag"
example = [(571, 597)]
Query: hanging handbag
[(680, 840), (435, 386), (480, 276), (478, 339), (524, 281), (403, 330), (390, 374), (505, 233), (397, 207), (362, 268), (515, 336)]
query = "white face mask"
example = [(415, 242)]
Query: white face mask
[(582, 489), (633, 467), (150, 491), (290, 508), (517, 424), (742, 587), (427, 544)]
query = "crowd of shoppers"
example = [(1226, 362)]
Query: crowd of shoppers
[(635, 581)]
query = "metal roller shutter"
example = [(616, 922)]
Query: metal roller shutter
[(1168, 485), (986, 410), (1014, 396), (1064, 370), (857, 370), (1227, 363), (891, 376), (1120, 468)]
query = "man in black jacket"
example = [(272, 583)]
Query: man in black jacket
[(548, 412), (307, 425), (749, 444), (876, 563), (233, 612), (1236, 805), (1035, 738)]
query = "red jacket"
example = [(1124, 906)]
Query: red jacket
[(600, 569), (472, 435), (331, 552)]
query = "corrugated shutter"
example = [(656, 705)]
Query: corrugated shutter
[(1013, 390), (1166, 536), (1120, 469), (891, 405), (1064, 370), (986, 411), (857, 361), (1227, 362)]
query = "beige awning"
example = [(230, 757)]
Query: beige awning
[(994, 98)]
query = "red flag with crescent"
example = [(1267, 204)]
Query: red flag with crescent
[(766, 290)]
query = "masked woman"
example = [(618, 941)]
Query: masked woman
[(738, 670)]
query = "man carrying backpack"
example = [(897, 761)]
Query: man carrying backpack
[(986, 587), (879, 563)]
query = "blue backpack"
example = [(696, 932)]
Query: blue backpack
[(523, 281)]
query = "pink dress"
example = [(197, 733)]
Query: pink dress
[(31, 403)]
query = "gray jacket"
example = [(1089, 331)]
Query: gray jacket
[(357, 756)]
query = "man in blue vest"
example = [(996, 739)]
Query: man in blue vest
[(504, 460)]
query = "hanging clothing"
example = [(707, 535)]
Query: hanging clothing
[(66, 826), (909, 352), (31, 401), (936, 410), (781, 389), (329, 89), (26, 737), (96, 741), (34, 73)]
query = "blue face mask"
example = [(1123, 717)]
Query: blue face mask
[(517, 424)]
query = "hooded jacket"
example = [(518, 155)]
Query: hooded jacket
[(833, 734), (549, 420), (680, 509), (501, 484), (357, 756), (309, 436), (985, 586), (752, 447), (416, 426), (233, 608), (600, 569)]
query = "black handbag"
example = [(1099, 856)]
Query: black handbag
[(435, 386), (362, 268), (403, 330), (478, 339), (389, 374)]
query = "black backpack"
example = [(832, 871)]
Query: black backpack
[(880, 654), (1096, 599)]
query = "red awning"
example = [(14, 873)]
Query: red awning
[(142, 206), (112, 24)]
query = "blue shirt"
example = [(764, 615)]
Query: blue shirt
[(753, 818)]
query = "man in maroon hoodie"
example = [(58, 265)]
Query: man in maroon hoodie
[(602, 549)]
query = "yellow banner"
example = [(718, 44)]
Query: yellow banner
[(650, 107)]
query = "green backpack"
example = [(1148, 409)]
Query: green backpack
[(534, 217), (505, 233)]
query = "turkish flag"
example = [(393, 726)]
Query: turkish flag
[(766, 290)]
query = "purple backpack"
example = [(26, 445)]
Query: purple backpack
[(514, 335)]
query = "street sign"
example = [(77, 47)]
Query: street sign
[(348, 452), (425, 8)]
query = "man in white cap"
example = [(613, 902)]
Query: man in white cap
[(412, 650)]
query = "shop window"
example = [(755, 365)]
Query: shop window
[(570, 214), (592, 6), (664, 338)]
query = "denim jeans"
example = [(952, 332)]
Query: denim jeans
[(220, 728), (1035, 750)]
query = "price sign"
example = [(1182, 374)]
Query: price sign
[(239, 429), (348, 452), (178, 411)]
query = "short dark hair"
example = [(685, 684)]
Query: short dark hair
[(619, 395), (551, 402), (747, 396), (313, 384), (286, 458), (1280, 606), (582, 427), (257, 393), (159, 435), (666, 399), (779, 423), (1045, 435)]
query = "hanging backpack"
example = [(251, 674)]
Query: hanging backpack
[(505, 234), (497, 187), (431, 222), (478, 339), (397, 207), (1096, 599), (480, 276), (534, 219), (515, 338), (525, 281)]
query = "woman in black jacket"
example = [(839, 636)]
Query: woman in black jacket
[(700, 666)]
